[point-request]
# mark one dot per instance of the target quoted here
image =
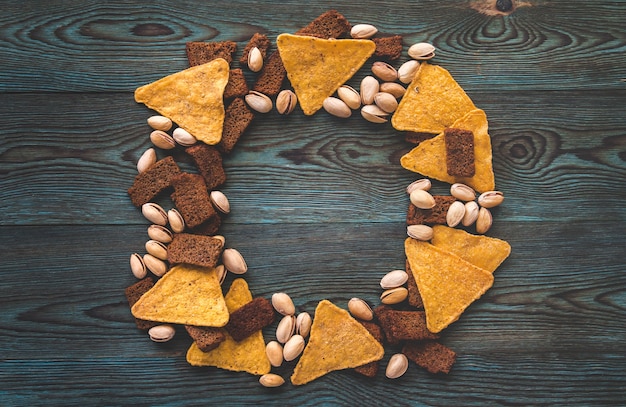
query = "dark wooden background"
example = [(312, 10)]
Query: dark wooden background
[(318, 203)]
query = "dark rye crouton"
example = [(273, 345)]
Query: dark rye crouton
[(414, 298), (208, 161), (133, 293), (389, 48), (198, 250), (238, 118), (199, 53), (433, 216), (403, 325), (206, 338), (459, 152), (246, 320), (330, 24), (192, 200), (432, 356), (150, 183), (370, 369)]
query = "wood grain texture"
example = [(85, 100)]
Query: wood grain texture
[(318, 203)]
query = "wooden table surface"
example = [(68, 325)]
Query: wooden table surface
[(318, 202)]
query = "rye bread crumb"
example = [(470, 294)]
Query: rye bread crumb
[(432, 356), (433, 216), (258, 40), (238, 118), (403, 325), (199, 53), (416, 138), (330, 24), (389, 48), (206, 338), (371, 369), (271, 78), (150, 183), (237, 85), (193, 249), (250, 318), (191, 198), (208, 161), (459, 152), (414, 298), (133, 293)]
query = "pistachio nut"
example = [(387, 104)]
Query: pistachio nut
[(177, 223), (157, 266), (363, 31), (423, 184), (274, 352), (159, 123), (394, 295), (384, 71), (490, 199), (162, 140), (154, 213), (271, 380), (147, 159), (484, 221), (283, 304), (286, 328), (337, 107), (394, 88), (157, 249), (137, 266), (397, 366), (159, 233), (162, 333), (220, 238), (394, 279), (303, 324), (234, 261), (183, 137), (455, 213), (471, 213), (258, 101), (386, 101), (422, 51), (422, 199), (369, 88), (407, 71), (374, 114), (255, 59), (293, 348), (220, 201), (360, 309), (420, 232), (286, 102), (462, 192), (350, 96), (220, 270)]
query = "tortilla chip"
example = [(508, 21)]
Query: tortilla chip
[(433, 101), (337, 341), (192, 98), (429, 157), (188, 295), (245, 356), (317, 67), (482, 251), (447, 283)]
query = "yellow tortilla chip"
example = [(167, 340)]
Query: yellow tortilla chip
[(447, 283), (186, 294), (337, 341), (482, 251), (317, 67), (192, 98), (429, 157), (433, 101), (245, 356)]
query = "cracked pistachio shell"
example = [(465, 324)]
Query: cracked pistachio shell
[(374, 114), (234, 261), (137, 266), (159, 123), (337, 107), (147, 159), (369, 88), (421, 51), (363, 31), (394, 279), (162, 140), (154, 213), (283, 304), (360, 309), (350, 96)]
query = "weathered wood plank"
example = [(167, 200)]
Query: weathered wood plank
[(91, 46), (549, 159)]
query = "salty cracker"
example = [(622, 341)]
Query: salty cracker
[(188, 295), (482, 251), (192, 98), (337, 341), (447, 283), (317, 67), (433, 101), (429, 157), (245, 356)]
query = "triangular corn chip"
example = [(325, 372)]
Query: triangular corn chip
[(429, 157), (186, 294), (432, 102), (447, 283), (192, 98), (337, 341), (245, 356), (482, 251), (317, 67)]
